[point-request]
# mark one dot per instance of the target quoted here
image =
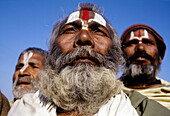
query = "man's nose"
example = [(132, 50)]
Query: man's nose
[(84, 39), (24, 71), (140, 47)]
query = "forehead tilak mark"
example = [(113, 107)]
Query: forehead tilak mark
[(139, 34), (85, 15), (139, 37), (27, 56), (76, 16)]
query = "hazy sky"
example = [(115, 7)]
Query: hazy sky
[(28, 23)]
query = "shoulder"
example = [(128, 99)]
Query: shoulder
[(32, 104), (164, 82), (4, 105), (145, 106)]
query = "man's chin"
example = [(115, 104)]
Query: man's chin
[(24, 88)]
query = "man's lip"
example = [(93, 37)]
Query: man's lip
[(23, 82), (85, 61), (85, 58), (141, 59)]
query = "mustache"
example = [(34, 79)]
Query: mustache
[(22, 79), (80, 53), (140, 54)]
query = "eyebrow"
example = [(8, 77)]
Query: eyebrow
[(131, 41), (20, 64)]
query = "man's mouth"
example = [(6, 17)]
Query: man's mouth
[(86, 59), (23, 82), (141, 59)]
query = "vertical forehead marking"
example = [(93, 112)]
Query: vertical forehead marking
[(139, 34), (85, 15), (76, 16), (99, 19), (73, 17), (27, 56), (146, 34), (131, 35), (139, 37)]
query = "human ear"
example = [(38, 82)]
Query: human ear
[(160, 60)]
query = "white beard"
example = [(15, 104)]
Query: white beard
[(19, 91), (82, 87)]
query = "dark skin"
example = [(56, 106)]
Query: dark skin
[(142, 43), (72, 36), (96, 37), (35, 64)]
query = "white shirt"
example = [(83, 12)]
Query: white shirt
[(38, 105)]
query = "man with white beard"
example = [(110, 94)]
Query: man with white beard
[(79, 78), (25, 78), (144, 51)]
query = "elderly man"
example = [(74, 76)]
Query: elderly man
[(144, 51), (79, 78), (25, 78)]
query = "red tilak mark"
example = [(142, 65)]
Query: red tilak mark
[(85, 15), (139, 34)]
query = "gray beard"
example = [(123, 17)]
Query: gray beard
[(19, 91), (82, 87), (135, 71)]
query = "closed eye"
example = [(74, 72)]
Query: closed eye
[(33, 65), (19, 66), (147, 41), (100, 32), (98, 29), (69, 31)]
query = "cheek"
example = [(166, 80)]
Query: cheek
[(152, 52), (15, 76), (35, 75), (129, 51), (103, 46), (65, 44)]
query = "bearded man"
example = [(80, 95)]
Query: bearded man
[(79, 78), (144, 51), (25, 78)]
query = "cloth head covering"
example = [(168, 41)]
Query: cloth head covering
[(158, 38)]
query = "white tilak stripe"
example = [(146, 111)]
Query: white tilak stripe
[(99, 19), (75, 16), (27, 56), (139, 38)]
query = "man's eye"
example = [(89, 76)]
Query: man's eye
[(146, 41), (129, 43), (33, 65), (69, 31), (18, 68), (100, 32)]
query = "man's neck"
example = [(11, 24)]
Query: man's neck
[(141, 82)]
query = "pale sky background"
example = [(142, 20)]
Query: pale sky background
[(28, 23)]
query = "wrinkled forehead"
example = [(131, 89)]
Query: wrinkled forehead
[(86, 15)]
